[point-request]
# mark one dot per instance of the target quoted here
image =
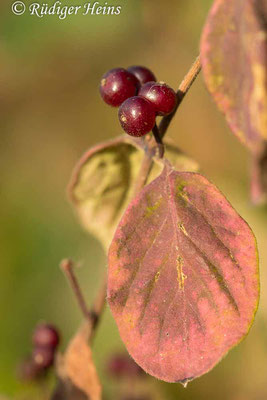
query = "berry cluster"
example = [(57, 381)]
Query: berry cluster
[(139, 97), (45, 340)]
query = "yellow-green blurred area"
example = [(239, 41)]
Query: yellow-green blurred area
[(51, 112)]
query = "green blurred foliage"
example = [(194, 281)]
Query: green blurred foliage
[(51, 113)]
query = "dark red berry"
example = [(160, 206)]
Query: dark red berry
[(28, 370), (162, 96), (118, 85), (45, 335), (43, 357), (143, 74), (137, 116), (121, 365)]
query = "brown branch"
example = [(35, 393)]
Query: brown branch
[(182, 90), (158, 140), (98, 308), (92, 315), (67, 267)]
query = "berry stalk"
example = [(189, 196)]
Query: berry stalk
[(159, 132), (182, 90), (158, 140)]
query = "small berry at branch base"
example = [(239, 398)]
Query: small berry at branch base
[(118, 85), (121, 365), (143, 74), (162, 96), (137, 116), (43, 357), (28, 370), (45, 335)]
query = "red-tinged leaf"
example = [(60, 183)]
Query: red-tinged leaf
[(258, 186), (103, 181), (234, 61), (183, 277)]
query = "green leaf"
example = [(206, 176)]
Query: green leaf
[(102, 183)]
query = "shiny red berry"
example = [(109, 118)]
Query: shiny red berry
[(45, 335), (118, 85), (137, 116), (143, 74), (43, 357), (162, 96)]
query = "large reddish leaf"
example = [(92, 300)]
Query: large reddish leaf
[(183, 276), (234, 61)]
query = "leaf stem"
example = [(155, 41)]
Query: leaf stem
[(182, 90), (143, 172)]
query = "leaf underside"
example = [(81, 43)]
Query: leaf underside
[(234, 62), (102, 183), (183, 277)]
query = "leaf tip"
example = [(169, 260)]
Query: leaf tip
[(185, 382)]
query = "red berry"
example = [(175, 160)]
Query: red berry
[(143, 74), (137, 116), (45, 335), (28, 370), (121, 365), (162, 96), (43, 357), (118, 85)]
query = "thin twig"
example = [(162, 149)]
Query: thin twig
[(67, 267), (92, 315), (98, 308), (182, 90), (158, 140)]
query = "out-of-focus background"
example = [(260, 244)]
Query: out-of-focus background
[(51, 112)]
